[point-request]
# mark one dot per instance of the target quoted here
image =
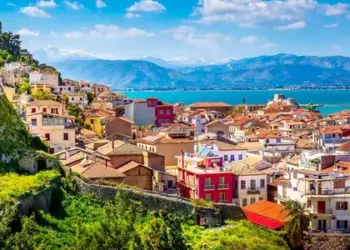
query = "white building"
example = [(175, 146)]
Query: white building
[(141, 112), (50, 79), (79, 99), (68, 89)]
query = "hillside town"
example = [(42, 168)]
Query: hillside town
[(257, 157)]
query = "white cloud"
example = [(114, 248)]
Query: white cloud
[(100, 4), (248, 40), (132, 15), (146, 6), (193, 37), (331, 26), (73, 5), (26, 32), (293, 26), (252, 12), (34, 12), (337, 9), (109, 31), (46, 4), (11, 4)]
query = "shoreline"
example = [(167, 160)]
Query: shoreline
[(207, 90)]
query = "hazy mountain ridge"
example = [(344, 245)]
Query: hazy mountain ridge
[(281, 70)]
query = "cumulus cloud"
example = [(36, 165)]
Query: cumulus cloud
[(292, 26), (248, 40), (146, 6), (26, 32), (252, 12), (109, 31), (331, 26), (34, 12), (337, 9), (194, 37), (46, 4), (73, 5), (100, 4), (132, 15)]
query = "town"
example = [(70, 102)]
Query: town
[(256, 157)]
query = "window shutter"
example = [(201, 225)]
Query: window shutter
[(345, 205)]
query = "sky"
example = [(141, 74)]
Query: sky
[(168, 29)]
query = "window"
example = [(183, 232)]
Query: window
[(252, 184), (161, 111), (339, 184), (47, 136), (225, 157), (242, 184), (252, 200), (308, 204), (92, 121), (232, 157), (342, 224), (261, 198), (222, 197), (240, 157), (295, 175), (267, 140), (244, 202), (207, 181), (45, 110), (342, 205), (262, 183), (278, 140), (33, 110), (208, 197), (65, 137), (34, 121), (168, 111), (221, 180)]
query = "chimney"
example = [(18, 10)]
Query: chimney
[(113, 144)]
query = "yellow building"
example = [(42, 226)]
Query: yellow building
[(42, 87), (10, 93), (97, 119)]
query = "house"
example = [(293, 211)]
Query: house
[(250, 180), (218, 127), (43, 87), (97, 89), (44, 106), (333, 136), (58, 130), (64, 89), (201, 177), (266, 214), (79, 99), (85, 86), (210, 106), (49, 78), (150, 111), (97, 119), (109, 100), (121, 128)]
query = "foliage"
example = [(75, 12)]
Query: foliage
[(87, 126), (311, 107), (74, 110), (202, 203), (315, 161), (326, 241), (41, 95), (11, 43), (90, 97), (25, 60), (36, 143), (14, 185), (5, 56), (25, 87), (235, 235), (297, 223)]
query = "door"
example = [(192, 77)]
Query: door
[(322, 225), (321, 207), (319, 188)]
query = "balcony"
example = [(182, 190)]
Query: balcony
[(283, 197), (223, 186), (223, 201), (329, 192), (209, 187), (321, 211), (253, 191)]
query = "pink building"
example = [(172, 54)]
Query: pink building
[(202, 177)]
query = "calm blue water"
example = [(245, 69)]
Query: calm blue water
[(333, 100)]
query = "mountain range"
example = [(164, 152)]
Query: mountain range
[(282, 70)]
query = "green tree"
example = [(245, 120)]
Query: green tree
[(298, 222), (74, 110), (41, 95), (90, 97), (25, 60), (25, 87), (12, 43), (4, 54)]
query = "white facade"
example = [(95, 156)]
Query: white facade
[(140, 113), (78, 99), (250, 189), (63, 89), (44, 78)]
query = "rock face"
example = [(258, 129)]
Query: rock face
[(281, 70)]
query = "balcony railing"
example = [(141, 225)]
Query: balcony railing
[(223, 186), (253, 191), (223, 201), (330, 191), (209, 187), (322, 211)]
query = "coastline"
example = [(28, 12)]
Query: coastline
[(230, 89)]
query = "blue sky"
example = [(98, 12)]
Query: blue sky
[(209, 29)]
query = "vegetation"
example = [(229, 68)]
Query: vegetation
[(202, 203), (25, 87), (41, 95), (90, 97), (11, 43), (236, 235), (297, 223), (14, 185), (5, 57)]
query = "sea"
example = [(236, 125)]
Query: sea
[(331, 101)]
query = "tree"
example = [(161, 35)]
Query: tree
[(90, 97), (297, 223), (41, 95), (74, 110), (25, 87), (4, 54), (25, 60), (11, 43)]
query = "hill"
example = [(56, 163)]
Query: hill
[(282, 70)]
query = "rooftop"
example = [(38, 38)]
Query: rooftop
[(210, 105)]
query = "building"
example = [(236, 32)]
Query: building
[(109, 100), (66, 89), (218, 127), (79, 99), (44, 106), (201, 177), (57, 130), (41, 87), (97, 89), (212, 106), (331, 137), (150, 111), (97, 119), (47, 78), (121, 128)]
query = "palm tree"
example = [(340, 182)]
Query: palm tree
[(297, 221)]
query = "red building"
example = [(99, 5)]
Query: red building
[(164, 112), (204, 178)]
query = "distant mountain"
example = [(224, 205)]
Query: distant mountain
[(280, 70), (52, 54)]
